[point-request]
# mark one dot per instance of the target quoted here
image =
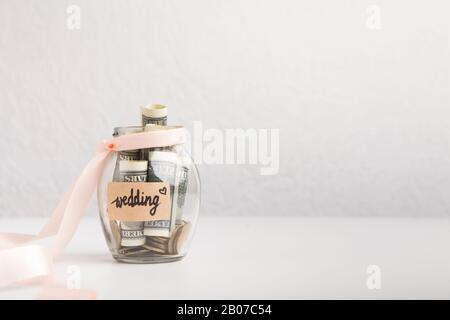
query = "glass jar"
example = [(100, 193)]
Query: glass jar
[(148, 201)]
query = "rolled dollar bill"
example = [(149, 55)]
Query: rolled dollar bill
[(154, 114), (182, 173), (130, 155), (132, 232), (133, 171), (162, 167)]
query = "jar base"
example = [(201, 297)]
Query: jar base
[(148, 260)]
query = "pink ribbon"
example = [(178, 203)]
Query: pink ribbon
[(23, 260)]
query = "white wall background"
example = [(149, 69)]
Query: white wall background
[(364, 114)]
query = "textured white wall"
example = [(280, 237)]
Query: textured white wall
[(364, 114)]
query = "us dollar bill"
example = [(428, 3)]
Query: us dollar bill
[(183, 174), (154, 114), (130, 155), (132, 232), (162, 167)]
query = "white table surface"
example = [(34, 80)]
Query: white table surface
[(268, 258)]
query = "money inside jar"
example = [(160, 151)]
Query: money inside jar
[(131, 155), (132, 232), (159, 164), (162, 167), (182, 176)]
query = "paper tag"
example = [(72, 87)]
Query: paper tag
[(139, 201)]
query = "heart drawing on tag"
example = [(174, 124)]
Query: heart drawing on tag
[(163, 190)]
